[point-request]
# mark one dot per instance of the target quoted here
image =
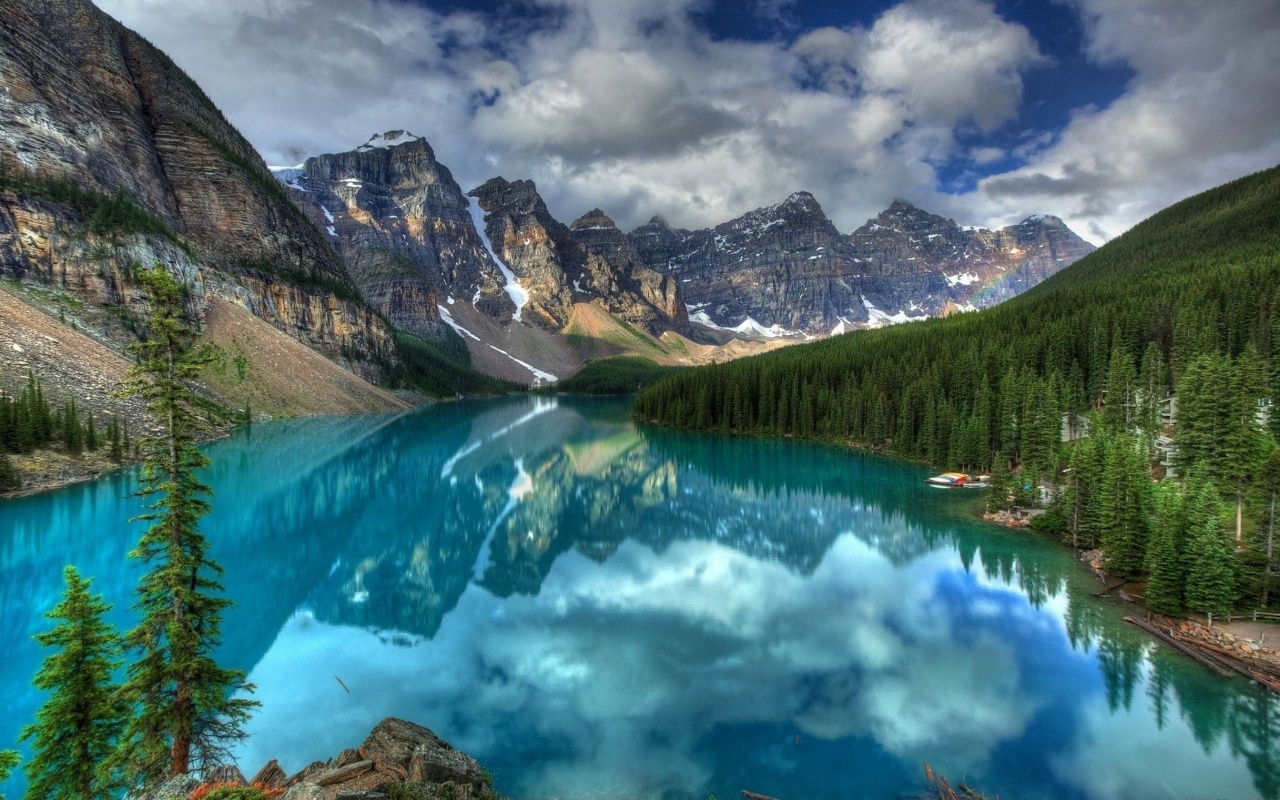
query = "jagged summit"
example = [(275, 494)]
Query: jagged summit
[(1043, 219), (384, 141), (595, 218)]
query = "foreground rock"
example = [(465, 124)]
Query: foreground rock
[(399, 760)]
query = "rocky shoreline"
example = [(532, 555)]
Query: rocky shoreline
[(1192, 631), (398, 761)]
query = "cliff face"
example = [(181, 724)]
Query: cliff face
[(786, 268), (613, 273), (939, 262), (115, 158), (559, 266), (403, 227)]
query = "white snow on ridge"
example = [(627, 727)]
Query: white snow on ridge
[(879, 318), (518, 294), (539, 376), (383, 141), (962, 279), (329, 216), (289, 176), (748, 327), (452, 323)]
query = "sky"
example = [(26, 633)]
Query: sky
[(1097, 111)]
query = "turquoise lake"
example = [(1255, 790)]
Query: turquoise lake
[(597, 610)]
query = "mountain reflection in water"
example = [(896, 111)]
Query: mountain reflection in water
[(596, 610)]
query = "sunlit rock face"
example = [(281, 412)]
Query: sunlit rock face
[(786, 268), (89, 102), (613, 273), (403, 227), (561, 265)]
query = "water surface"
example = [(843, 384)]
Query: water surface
[(595, 610)]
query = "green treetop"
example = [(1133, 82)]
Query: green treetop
[(77, 727), (1211, 579)]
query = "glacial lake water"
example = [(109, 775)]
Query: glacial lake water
[(596, 610)]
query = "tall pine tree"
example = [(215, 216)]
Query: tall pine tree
[(187, 716), (1126, 507), (1264, 549), (1243, 442), (1211, 579), (77, 727), (1164, 553)]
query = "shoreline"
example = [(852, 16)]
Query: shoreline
[(1194, 631)]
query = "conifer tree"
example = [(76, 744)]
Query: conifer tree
[(77, 727), (1243, 442), (9, 477), (72, 433), (1164, 553), (1126, 489), (1117, 411), (1265, 545), (186, 715), (113, 435), (90, 434), (1211, 579), (1000, 485), (8, 760)]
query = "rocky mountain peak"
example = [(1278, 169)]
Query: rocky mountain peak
[(659, 221), (801, 201), (1045, 220), (800, 211), (385, 141), (498, 195), (595, 218), (903, 217)]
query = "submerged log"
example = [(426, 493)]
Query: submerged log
[(754, 796), (1106, 590)]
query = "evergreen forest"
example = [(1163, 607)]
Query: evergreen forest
[(1157, 356), (30, 421)]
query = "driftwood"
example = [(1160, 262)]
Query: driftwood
[(939, 783), (1262, 673), (754, 796), (1219, 659), (944, 790), (1179, 646)]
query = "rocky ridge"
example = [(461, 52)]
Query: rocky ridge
[(785, 269), (559, 265), (112, 158), (403, 228)]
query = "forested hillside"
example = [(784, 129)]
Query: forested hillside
[(1186, 300)]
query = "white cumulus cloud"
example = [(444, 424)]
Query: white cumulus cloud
[(634, 107)]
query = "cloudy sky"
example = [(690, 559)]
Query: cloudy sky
[(1098, 111)]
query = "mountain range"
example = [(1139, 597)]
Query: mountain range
[(113, 158)]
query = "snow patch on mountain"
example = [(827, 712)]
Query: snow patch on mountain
[(384, 141), (518, 294), (748, 327), (879, 319)]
